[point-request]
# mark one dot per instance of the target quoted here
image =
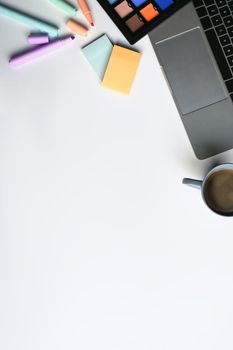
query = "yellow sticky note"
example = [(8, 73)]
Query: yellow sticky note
[(121, 69)]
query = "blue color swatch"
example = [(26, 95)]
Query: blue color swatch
[(164, 4), (138, 2), (112, 1)]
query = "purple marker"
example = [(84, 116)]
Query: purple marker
[(36, 39), (39, 51)]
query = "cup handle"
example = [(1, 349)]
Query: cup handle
[(192, 183)]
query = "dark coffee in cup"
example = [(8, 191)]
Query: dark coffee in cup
[(218, 191)]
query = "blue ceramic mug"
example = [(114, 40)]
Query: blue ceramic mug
[(216, 189)]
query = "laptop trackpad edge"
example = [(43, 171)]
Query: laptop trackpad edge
[(190, 71)]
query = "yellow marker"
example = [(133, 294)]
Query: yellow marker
[(121, 69), (76, 27)]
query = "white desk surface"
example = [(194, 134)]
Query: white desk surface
[(101, 246)]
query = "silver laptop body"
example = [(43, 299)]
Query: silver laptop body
[(195, 82)]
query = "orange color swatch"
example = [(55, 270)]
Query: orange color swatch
[(149, 12)]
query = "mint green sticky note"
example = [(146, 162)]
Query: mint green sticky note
[(98, 53)]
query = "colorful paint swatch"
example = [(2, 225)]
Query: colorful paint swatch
[(138, 3), (149, 12), (123, 9), (121, 69), (164, 4), (134, 23), (97, 53), (136, 18)]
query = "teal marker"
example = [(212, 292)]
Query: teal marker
[(65, 7), (28, 20)]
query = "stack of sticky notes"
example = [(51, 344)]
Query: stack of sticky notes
[(121, 69), (116, 66)]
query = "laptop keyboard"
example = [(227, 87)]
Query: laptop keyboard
[(216, 17)]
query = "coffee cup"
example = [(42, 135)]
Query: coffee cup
[(216, 189)]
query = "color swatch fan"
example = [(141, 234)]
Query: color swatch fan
[(136, 18)]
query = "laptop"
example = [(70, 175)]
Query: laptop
[(195, 51)]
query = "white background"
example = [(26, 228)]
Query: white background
[(101, 246)]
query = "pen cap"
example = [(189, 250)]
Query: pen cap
[(37, 39), (76, 27)]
